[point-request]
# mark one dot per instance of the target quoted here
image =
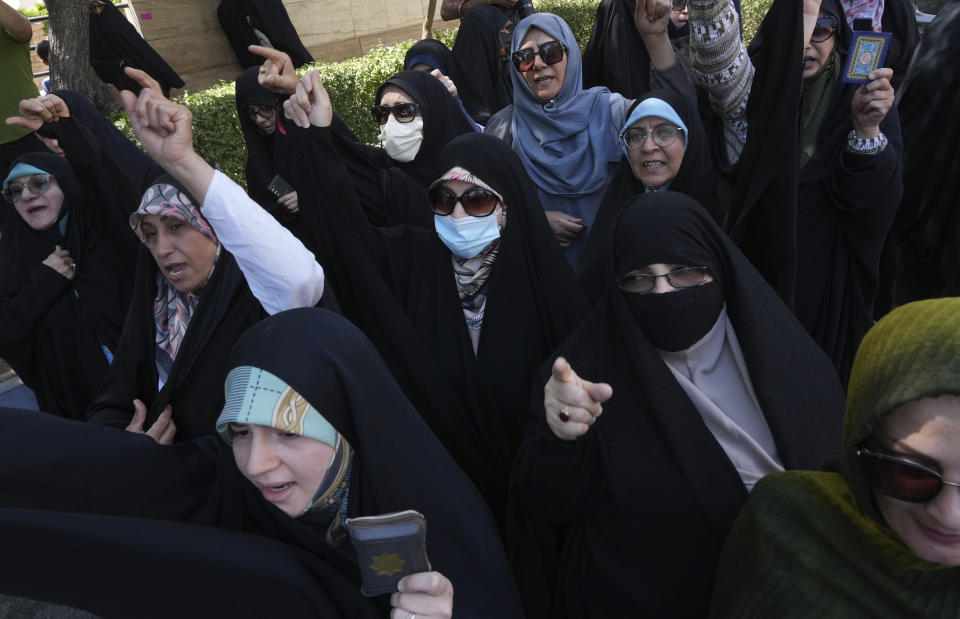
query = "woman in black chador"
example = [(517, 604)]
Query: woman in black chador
[(67, 257), (260, 22), (115, 44), (708, 384)]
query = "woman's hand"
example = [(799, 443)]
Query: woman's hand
[(565, 227), (811, 11), (162, 430), (572, 404), (289, 202), (164, 128), (310, 105), (424, 595), (39, 110), (871, 102), (652, 16), (61, 262), (446, 81), (276, 73)]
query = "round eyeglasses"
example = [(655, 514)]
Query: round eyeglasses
[(38, 183), (663, 136)]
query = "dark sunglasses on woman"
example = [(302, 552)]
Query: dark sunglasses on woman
[(644, 283), (403, 112), (476, 201), (550, 52), (37, 183), (901, 478), (824, 29)]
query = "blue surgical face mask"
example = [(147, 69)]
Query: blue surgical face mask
[(468, 236)]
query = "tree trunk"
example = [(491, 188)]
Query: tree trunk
[(427, 32), (70, 53)]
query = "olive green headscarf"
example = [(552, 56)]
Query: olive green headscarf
[(812, 544), (912, 353)]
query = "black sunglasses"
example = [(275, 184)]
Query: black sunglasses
[(644, 283), (550, 52), (476, 201), (824, 29), (901, 478), (403, 112)]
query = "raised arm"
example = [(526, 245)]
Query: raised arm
[(280, 271), (722, 66), (651, 18)]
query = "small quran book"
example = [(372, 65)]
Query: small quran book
[(388, 547), (867, 53)]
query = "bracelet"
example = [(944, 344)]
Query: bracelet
[(460, 8), (866, 146)]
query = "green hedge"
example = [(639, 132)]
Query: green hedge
[(353, 83)]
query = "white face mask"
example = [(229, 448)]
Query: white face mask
[(402, 140)]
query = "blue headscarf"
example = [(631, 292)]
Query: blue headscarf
[(567, 145)]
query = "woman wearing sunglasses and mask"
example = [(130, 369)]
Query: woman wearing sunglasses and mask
[(463, 312), (417, 116), (879, 535), (708, 384), (568, 137), (67, 257)]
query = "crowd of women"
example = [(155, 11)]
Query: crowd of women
[(618, 349)]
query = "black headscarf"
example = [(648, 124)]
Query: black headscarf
[(695, 178), (398, 285), (648, 479), (481, 52), (114, 39), (432, 53), (398, 465), (55, 328), (238, 18), (815, 234)]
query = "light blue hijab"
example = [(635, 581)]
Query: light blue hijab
[(569, 144)]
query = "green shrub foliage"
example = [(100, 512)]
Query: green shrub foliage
[(353, 83)]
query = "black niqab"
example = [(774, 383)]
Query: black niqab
[(649, 479)]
